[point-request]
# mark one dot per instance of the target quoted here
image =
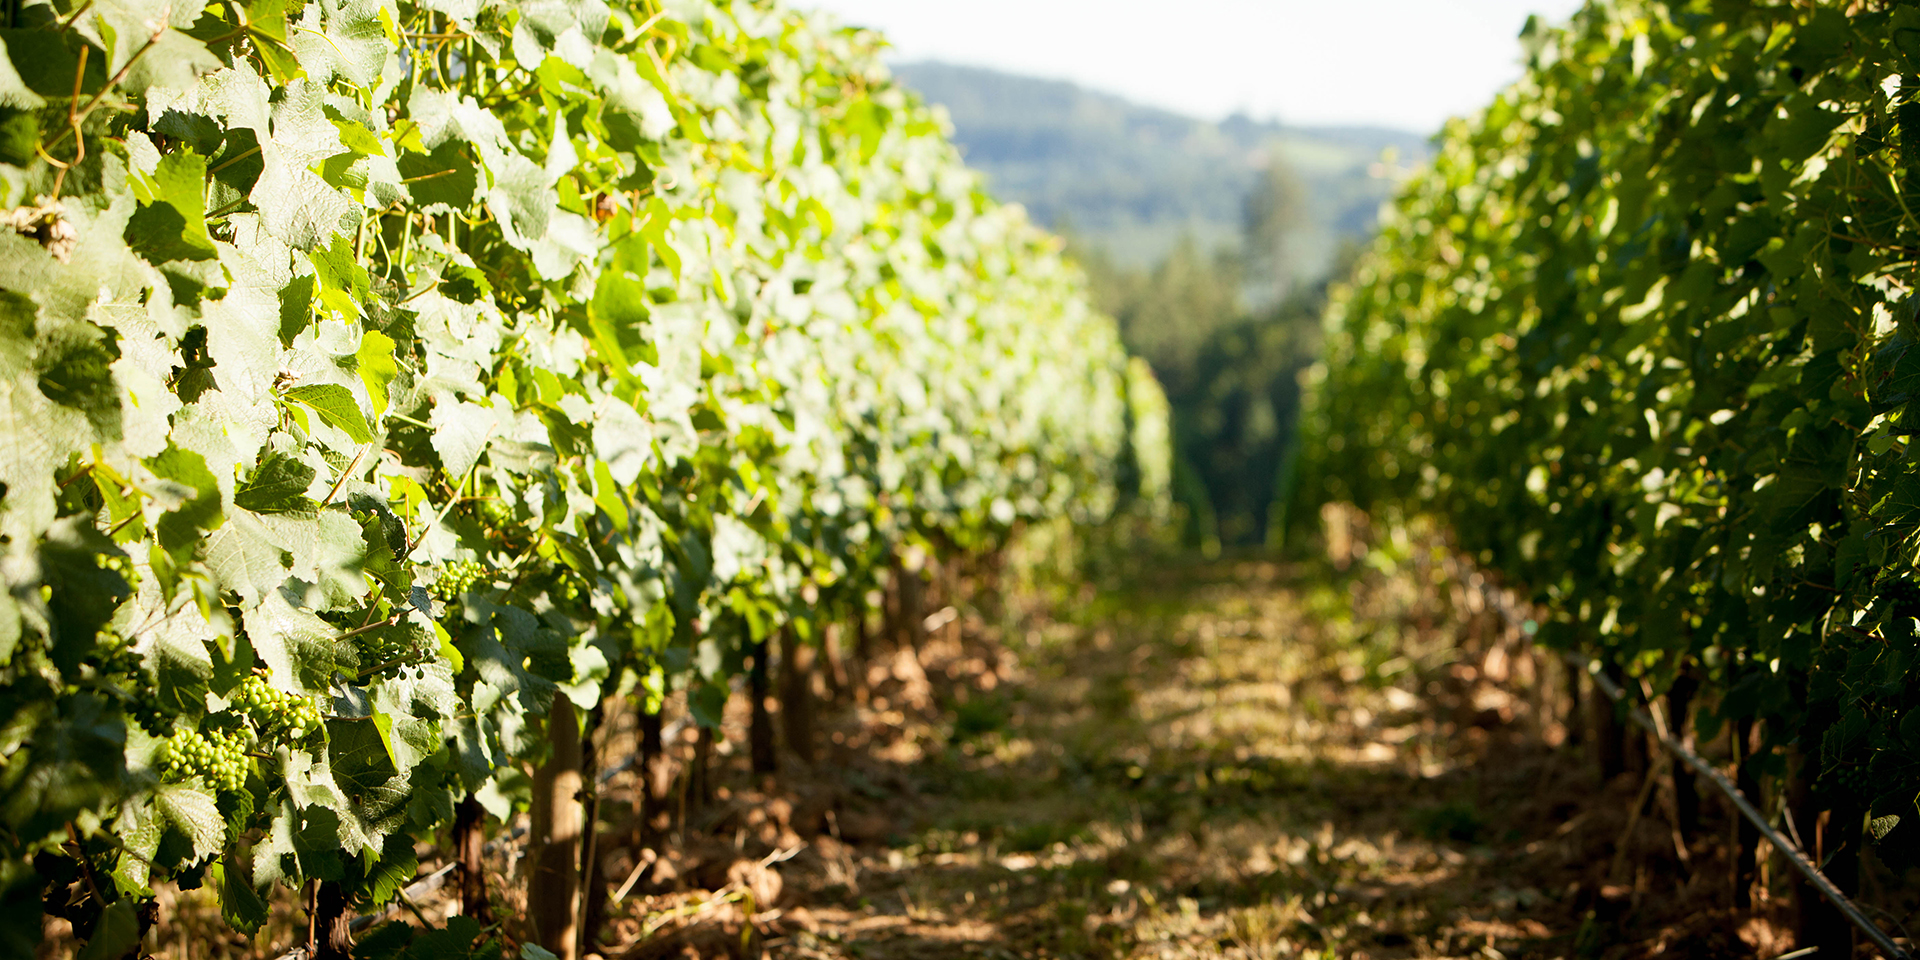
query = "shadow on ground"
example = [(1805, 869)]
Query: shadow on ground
[(1221, 762)]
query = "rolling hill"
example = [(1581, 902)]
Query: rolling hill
[(1133, 179)]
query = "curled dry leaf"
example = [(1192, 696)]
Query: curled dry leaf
[(46, 223)]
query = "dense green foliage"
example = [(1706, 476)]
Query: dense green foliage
[(1644, 337), (376, 371)]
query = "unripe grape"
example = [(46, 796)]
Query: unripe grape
[(276, 713), (217, 759), (457, 578)]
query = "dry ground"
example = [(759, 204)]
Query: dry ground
[(1232, 759), (1243, 760), (1228, 765)]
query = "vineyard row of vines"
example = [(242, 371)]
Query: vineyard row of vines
[(388, 385), (1643, 337)]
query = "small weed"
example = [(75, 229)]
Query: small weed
[(1455, 821), (1261, 932), (978, 717), (1034, 837)]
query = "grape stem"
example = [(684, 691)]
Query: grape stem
[(456, 498), (407, 902), (369, 628), (376, 668), (373, 602), (344, 474), (86, 864)]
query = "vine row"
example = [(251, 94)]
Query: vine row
[(1643, 338), (387, 384)]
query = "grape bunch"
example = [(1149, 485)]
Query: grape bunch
[(215, 758), (456, 578), (275, 711), (395, 647), (116, 660)]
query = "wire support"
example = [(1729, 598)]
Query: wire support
[(1794, 854), (1499, 601)]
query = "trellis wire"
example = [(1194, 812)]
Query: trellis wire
[(1500, 602)]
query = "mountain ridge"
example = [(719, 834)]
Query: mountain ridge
[(1133, 179)]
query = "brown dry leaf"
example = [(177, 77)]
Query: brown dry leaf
[(45, 223)]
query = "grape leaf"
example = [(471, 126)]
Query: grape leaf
[(278, 485), (297, 647), (240, 904), (335, 404), (182, 671), (116, 934), (377, 367), (442, 180), (196, 814), (461, 432), (358, 751)]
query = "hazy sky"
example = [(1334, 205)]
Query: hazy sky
[(1402, 63)]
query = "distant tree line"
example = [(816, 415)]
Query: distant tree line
[(1228, 332)]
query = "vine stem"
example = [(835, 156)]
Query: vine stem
[(344, 474), (86, 865), (430, 176), (376, 668), (80, 75), (73, 125), (373, 601), (122, 525), (369, 628), (456, 498), (75, 18), (233, 161), (227, 208)]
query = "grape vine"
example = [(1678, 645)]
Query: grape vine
[(1641, 338), (387, 378)]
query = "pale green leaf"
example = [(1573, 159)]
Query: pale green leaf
[(195, 814), (461, 431), (377, 367)]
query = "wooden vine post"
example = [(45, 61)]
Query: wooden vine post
[(1610, 733), (1746, 848), (1686, 793), (329, 936), (553, 875), (760, 721), (470, 844), (656, 780), (796, 694)]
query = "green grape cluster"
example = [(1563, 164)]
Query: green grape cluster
[(457, 578), (276, 711), (114, 656), (116, 660), (393, 648), (216, 758)]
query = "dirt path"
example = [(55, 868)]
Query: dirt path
[(1226, 766), (1217, 760)]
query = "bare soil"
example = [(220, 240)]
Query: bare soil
[(1245, 760), (1234, 759)]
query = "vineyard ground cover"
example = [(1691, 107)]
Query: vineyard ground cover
[(1242, 759), (1232, 759)]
